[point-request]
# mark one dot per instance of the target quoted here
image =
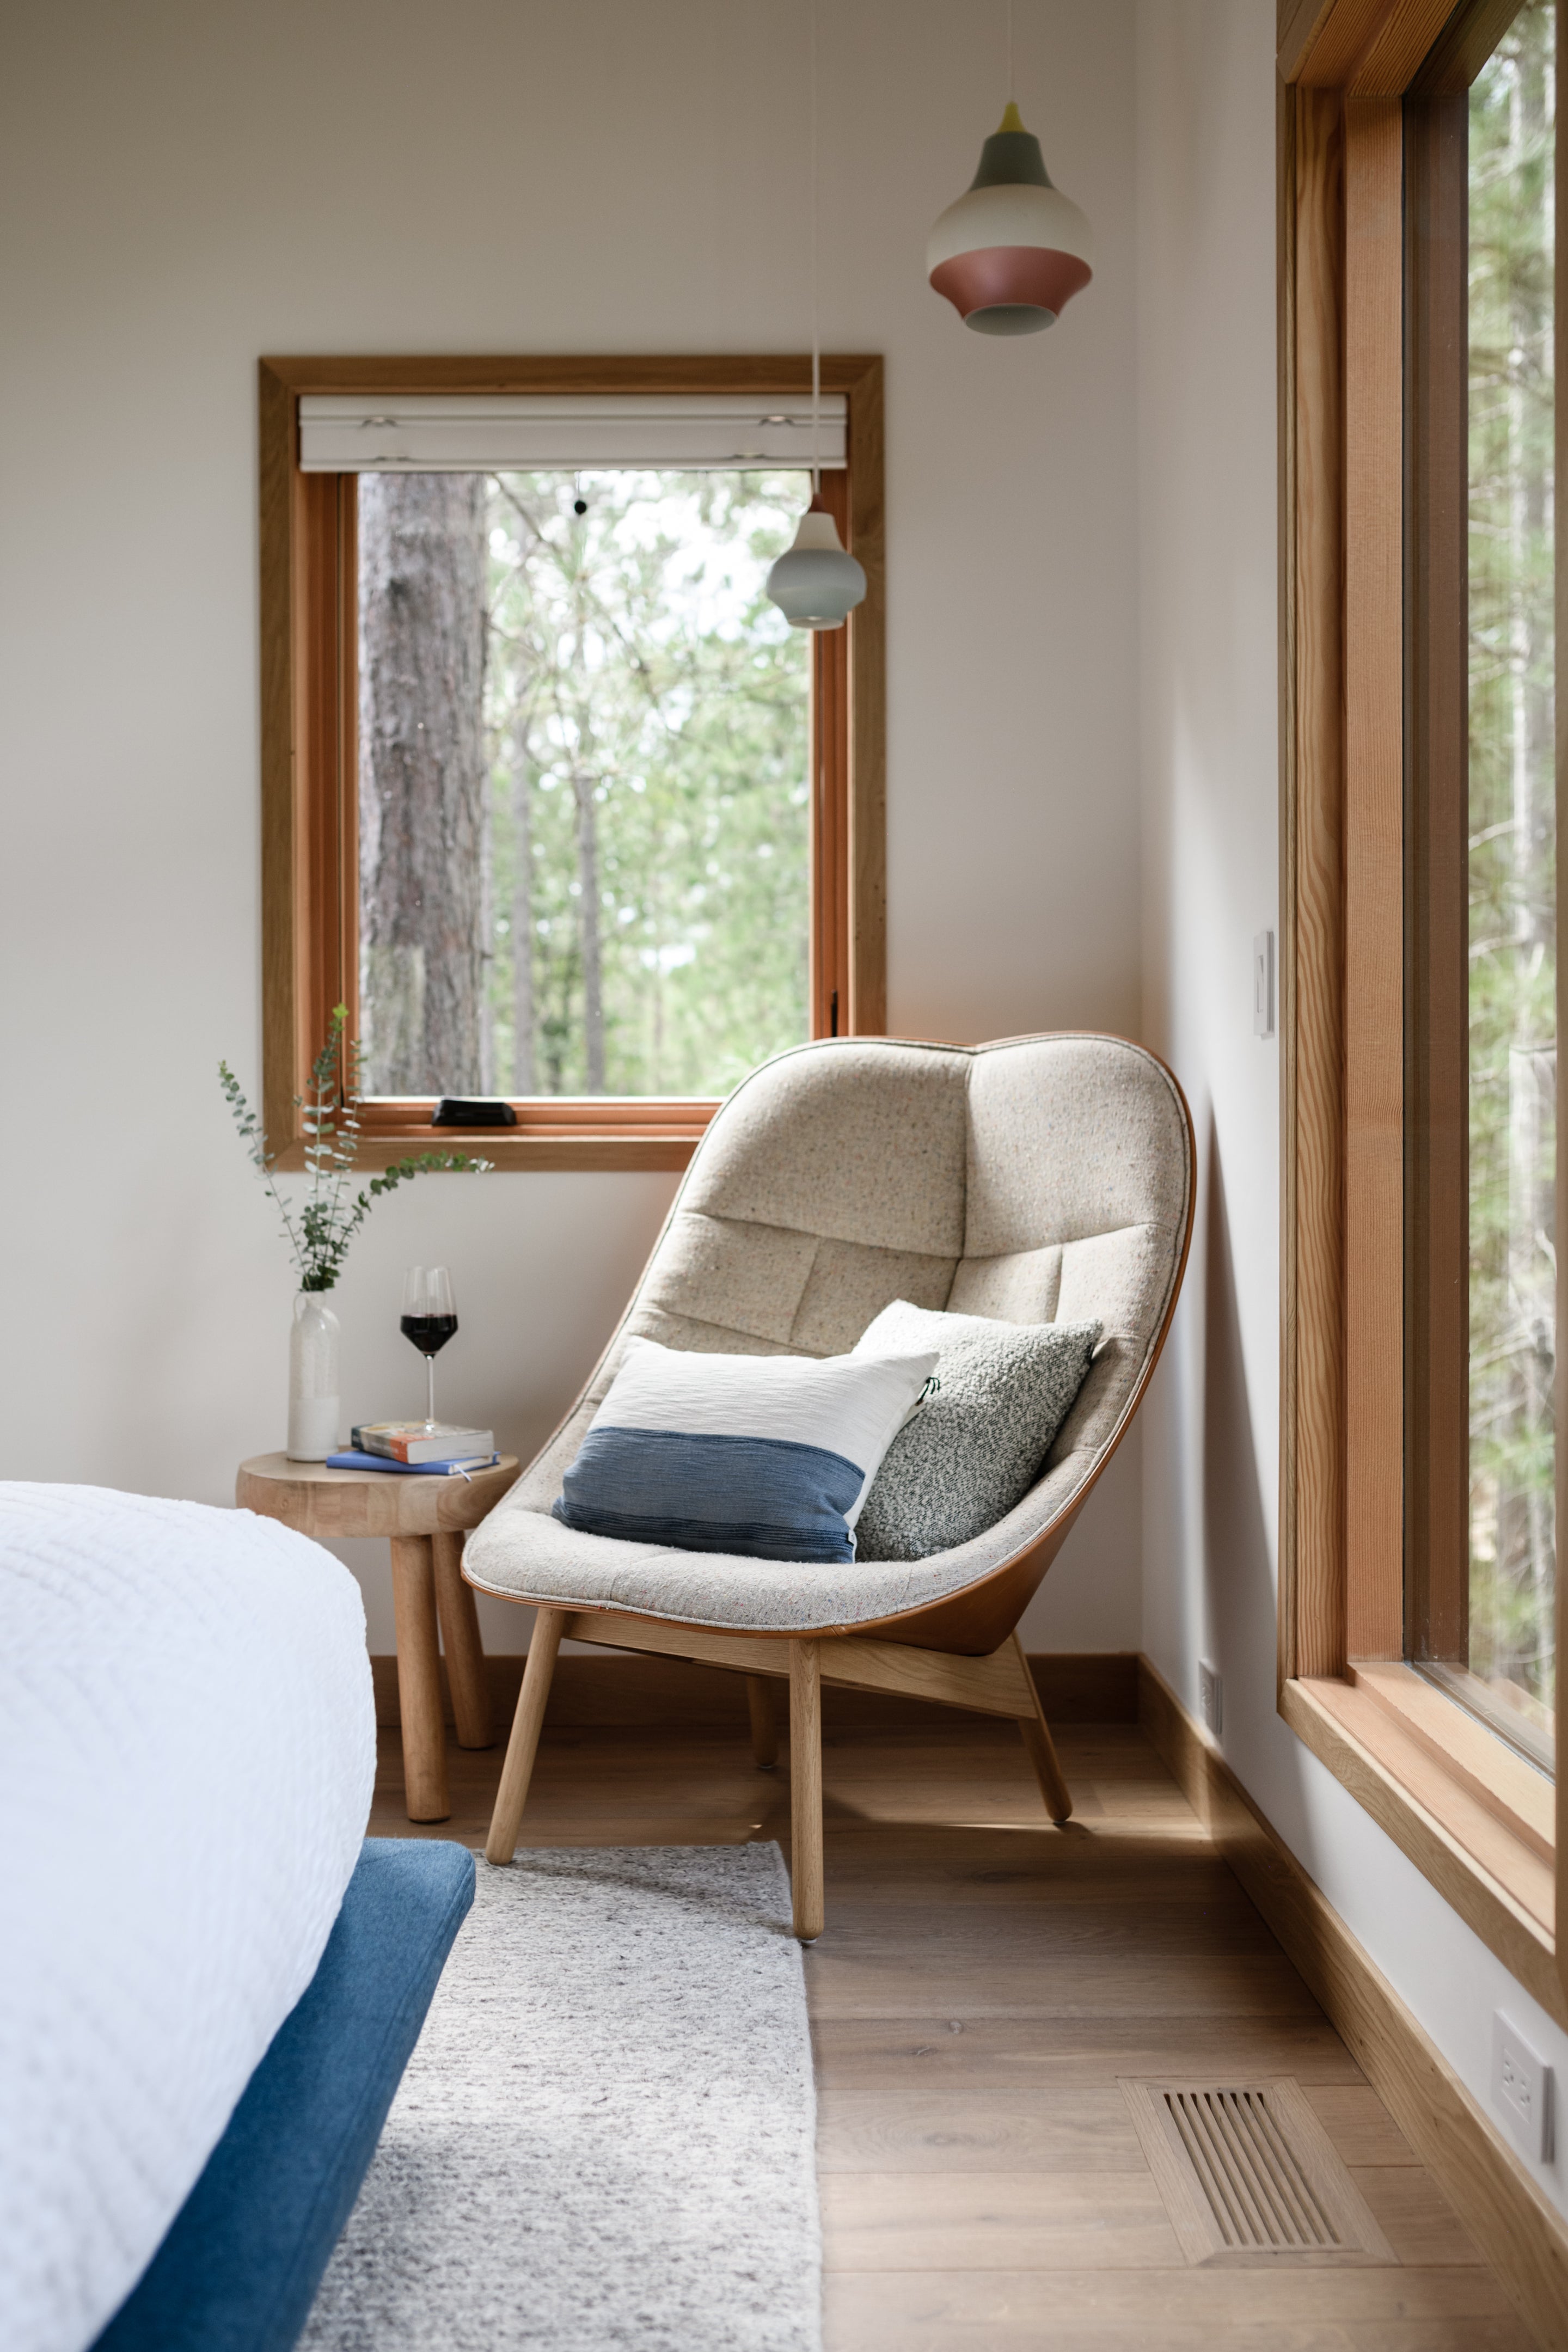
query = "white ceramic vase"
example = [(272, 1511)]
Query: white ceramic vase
[(313, 1380)]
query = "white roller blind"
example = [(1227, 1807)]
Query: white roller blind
[(528, 433)]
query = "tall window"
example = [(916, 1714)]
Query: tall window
[(1420, 575), (582, 787)]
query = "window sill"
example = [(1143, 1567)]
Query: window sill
[(552, 1133), (1473, 1818)]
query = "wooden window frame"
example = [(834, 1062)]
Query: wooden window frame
[(309, 751), (1362, 626)]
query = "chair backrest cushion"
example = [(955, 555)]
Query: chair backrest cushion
[(1041, 1178)]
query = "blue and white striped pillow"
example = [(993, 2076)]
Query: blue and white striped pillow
[(770, 1456)]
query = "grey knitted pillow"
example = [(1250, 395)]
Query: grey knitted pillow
[(977, 1444)]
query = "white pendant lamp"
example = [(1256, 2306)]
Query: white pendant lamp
[(1013, 251), (815, 584)]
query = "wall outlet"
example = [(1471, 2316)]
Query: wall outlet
[(1211, 1697), (1263, 983), (1521, 2086)]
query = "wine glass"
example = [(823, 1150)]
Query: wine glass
[(429, 1319)]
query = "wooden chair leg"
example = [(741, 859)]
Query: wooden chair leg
[(1042, 1750), (764, 1729), (1048, 1770), (460, 1640), (805, 1788), (523, 1746)]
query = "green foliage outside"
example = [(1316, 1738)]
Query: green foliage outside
[(646, 711), (1512, 865)]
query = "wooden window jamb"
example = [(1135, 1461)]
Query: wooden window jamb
[(1374, 880), (308, 753)]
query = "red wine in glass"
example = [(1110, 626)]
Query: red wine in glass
[(429, 1333), (429, 1319)]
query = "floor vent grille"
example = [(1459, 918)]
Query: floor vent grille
[(1248, 2175)]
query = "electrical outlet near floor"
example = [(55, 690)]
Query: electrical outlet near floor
[(1211, 1696), (1521, 2086)]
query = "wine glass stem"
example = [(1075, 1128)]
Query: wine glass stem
[(430, 1391)]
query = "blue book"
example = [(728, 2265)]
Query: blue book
[(349, 1460)]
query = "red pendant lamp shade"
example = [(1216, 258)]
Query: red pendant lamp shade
[(1013, 251)]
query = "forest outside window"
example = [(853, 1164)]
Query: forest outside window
[(582, 783), (1482, 898), (564, 812)]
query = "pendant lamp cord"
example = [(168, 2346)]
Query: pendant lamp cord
[(815, 328), (1011, 93)]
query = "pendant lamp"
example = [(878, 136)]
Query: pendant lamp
[(815, 583), (1013, 251)]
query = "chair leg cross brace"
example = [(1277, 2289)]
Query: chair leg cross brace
[(1000, 1685)]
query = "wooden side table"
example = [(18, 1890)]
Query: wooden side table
[(424, 1518)]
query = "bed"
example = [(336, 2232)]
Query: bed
[(187, 1749)]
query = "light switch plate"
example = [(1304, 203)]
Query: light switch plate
[(1263, 983), (1211, 1695), (1521, 2087)]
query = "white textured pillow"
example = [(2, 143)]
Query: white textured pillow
[(980, 1441), (770, 1456)]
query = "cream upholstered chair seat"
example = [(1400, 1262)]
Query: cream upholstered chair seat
[(1043, 1179)]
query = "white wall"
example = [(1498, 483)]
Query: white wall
[(1207, 569), (192, 182)]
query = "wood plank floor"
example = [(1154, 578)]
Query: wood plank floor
[(982, 1983)]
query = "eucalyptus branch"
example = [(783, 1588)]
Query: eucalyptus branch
[(328, 1109)]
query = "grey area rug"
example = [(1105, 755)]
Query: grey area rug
[(606, 2135)]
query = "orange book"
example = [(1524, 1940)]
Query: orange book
[(423, 1441)]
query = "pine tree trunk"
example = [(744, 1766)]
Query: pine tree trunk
[(523, 1080), (588, 932), (423, 802), (583, 780)]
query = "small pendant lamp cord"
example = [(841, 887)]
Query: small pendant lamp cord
[(815, 329), (1011, 93)]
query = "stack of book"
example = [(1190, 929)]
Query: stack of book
[(429, 1449)]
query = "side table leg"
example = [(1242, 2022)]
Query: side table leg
[(419, 1679), (460, 1638)]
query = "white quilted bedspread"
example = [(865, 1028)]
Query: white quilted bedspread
[(186, 1753)]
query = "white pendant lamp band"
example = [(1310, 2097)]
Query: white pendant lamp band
[(815, 584), (1013, 251)]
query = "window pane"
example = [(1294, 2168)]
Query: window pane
[(1513, 874), (583, 808)]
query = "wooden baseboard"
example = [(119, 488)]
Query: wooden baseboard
[(1520, 2232), (1096, 1688)]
